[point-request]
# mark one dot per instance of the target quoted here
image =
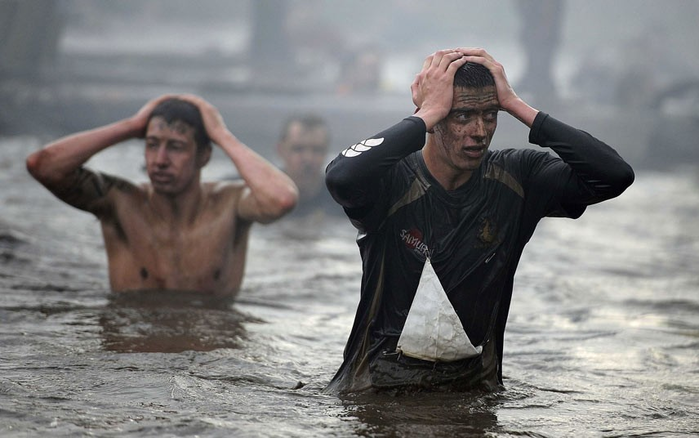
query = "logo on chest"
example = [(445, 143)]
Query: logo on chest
[(414, 241), (488, 232)]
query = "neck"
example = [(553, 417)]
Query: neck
[(309, 188), (179, 209), (449, 177)]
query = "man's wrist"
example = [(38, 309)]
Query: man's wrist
[(133, 128), (225, 138), (430, 116), (520, 110)]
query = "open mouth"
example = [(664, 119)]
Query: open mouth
[(474, 151)]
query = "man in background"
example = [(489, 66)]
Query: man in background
[(303, 147)]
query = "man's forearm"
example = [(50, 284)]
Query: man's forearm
[(521, 111), (599, 166), (272, 192), (353, 176), (60, 158)]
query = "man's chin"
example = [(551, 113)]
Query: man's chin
[(470, 164), (163, 189), (308, 181)]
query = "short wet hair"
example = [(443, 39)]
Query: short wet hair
[(308, 122), (473, 75), (174, 110)]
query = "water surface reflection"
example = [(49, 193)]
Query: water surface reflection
[(171, 322), (603, 336)]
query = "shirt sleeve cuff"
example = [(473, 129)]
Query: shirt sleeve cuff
[(535, 134), (419, 122)]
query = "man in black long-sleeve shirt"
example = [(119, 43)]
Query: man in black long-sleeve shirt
[(443, 222)]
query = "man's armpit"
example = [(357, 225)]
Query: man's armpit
[(88, 190)]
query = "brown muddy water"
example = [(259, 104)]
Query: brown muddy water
[(603, 336)]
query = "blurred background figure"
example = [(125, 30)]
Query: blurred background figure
[(303, 147), (540, 35)]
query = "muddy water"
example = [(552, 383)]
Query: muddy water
[(603, 337)]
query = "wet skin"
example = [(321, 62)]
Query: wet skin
[(460, 141), (171, 156), (173, 232), (176, 233)]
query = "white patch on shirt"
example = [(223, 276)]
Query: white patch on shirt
[(433, 330), (363, 146)]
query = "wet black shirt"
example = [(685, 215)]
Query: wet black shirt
[(474, 235)]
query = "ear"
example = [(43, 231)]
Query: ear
[(204, 156)]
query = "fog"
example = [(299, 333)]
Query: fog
[(626, 70), (602, 335)]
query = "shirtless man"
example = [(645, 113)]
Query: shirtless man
[(174, 233)]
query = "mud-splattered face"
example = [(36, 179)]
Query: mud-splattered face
[(464, 136), (172, 161)]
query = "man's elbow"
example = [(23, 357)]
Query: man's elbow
[(287, 200), (38, 167), (622, 179), (284, 202), (613, 183), (340, 185)]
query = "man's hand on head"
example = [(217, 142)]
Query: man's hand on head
[(508, 99), (213, 120), (139, 120), (433, 88)]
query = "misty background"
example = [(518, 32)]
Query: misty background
[(603, 335), (625, 70)]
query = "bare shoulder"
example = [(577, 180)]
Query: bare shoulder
[(225, 191), (224, 198)]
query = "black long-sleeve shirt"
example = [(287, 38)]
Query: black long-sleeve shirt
[(474, 235)]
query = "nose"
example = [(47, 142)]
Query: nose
[(161, 157), (478, 131)]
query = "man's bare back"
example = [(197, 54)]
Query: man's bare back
[(174, 233)]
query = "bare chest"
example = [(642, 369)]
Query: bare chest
[(207, 255)]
